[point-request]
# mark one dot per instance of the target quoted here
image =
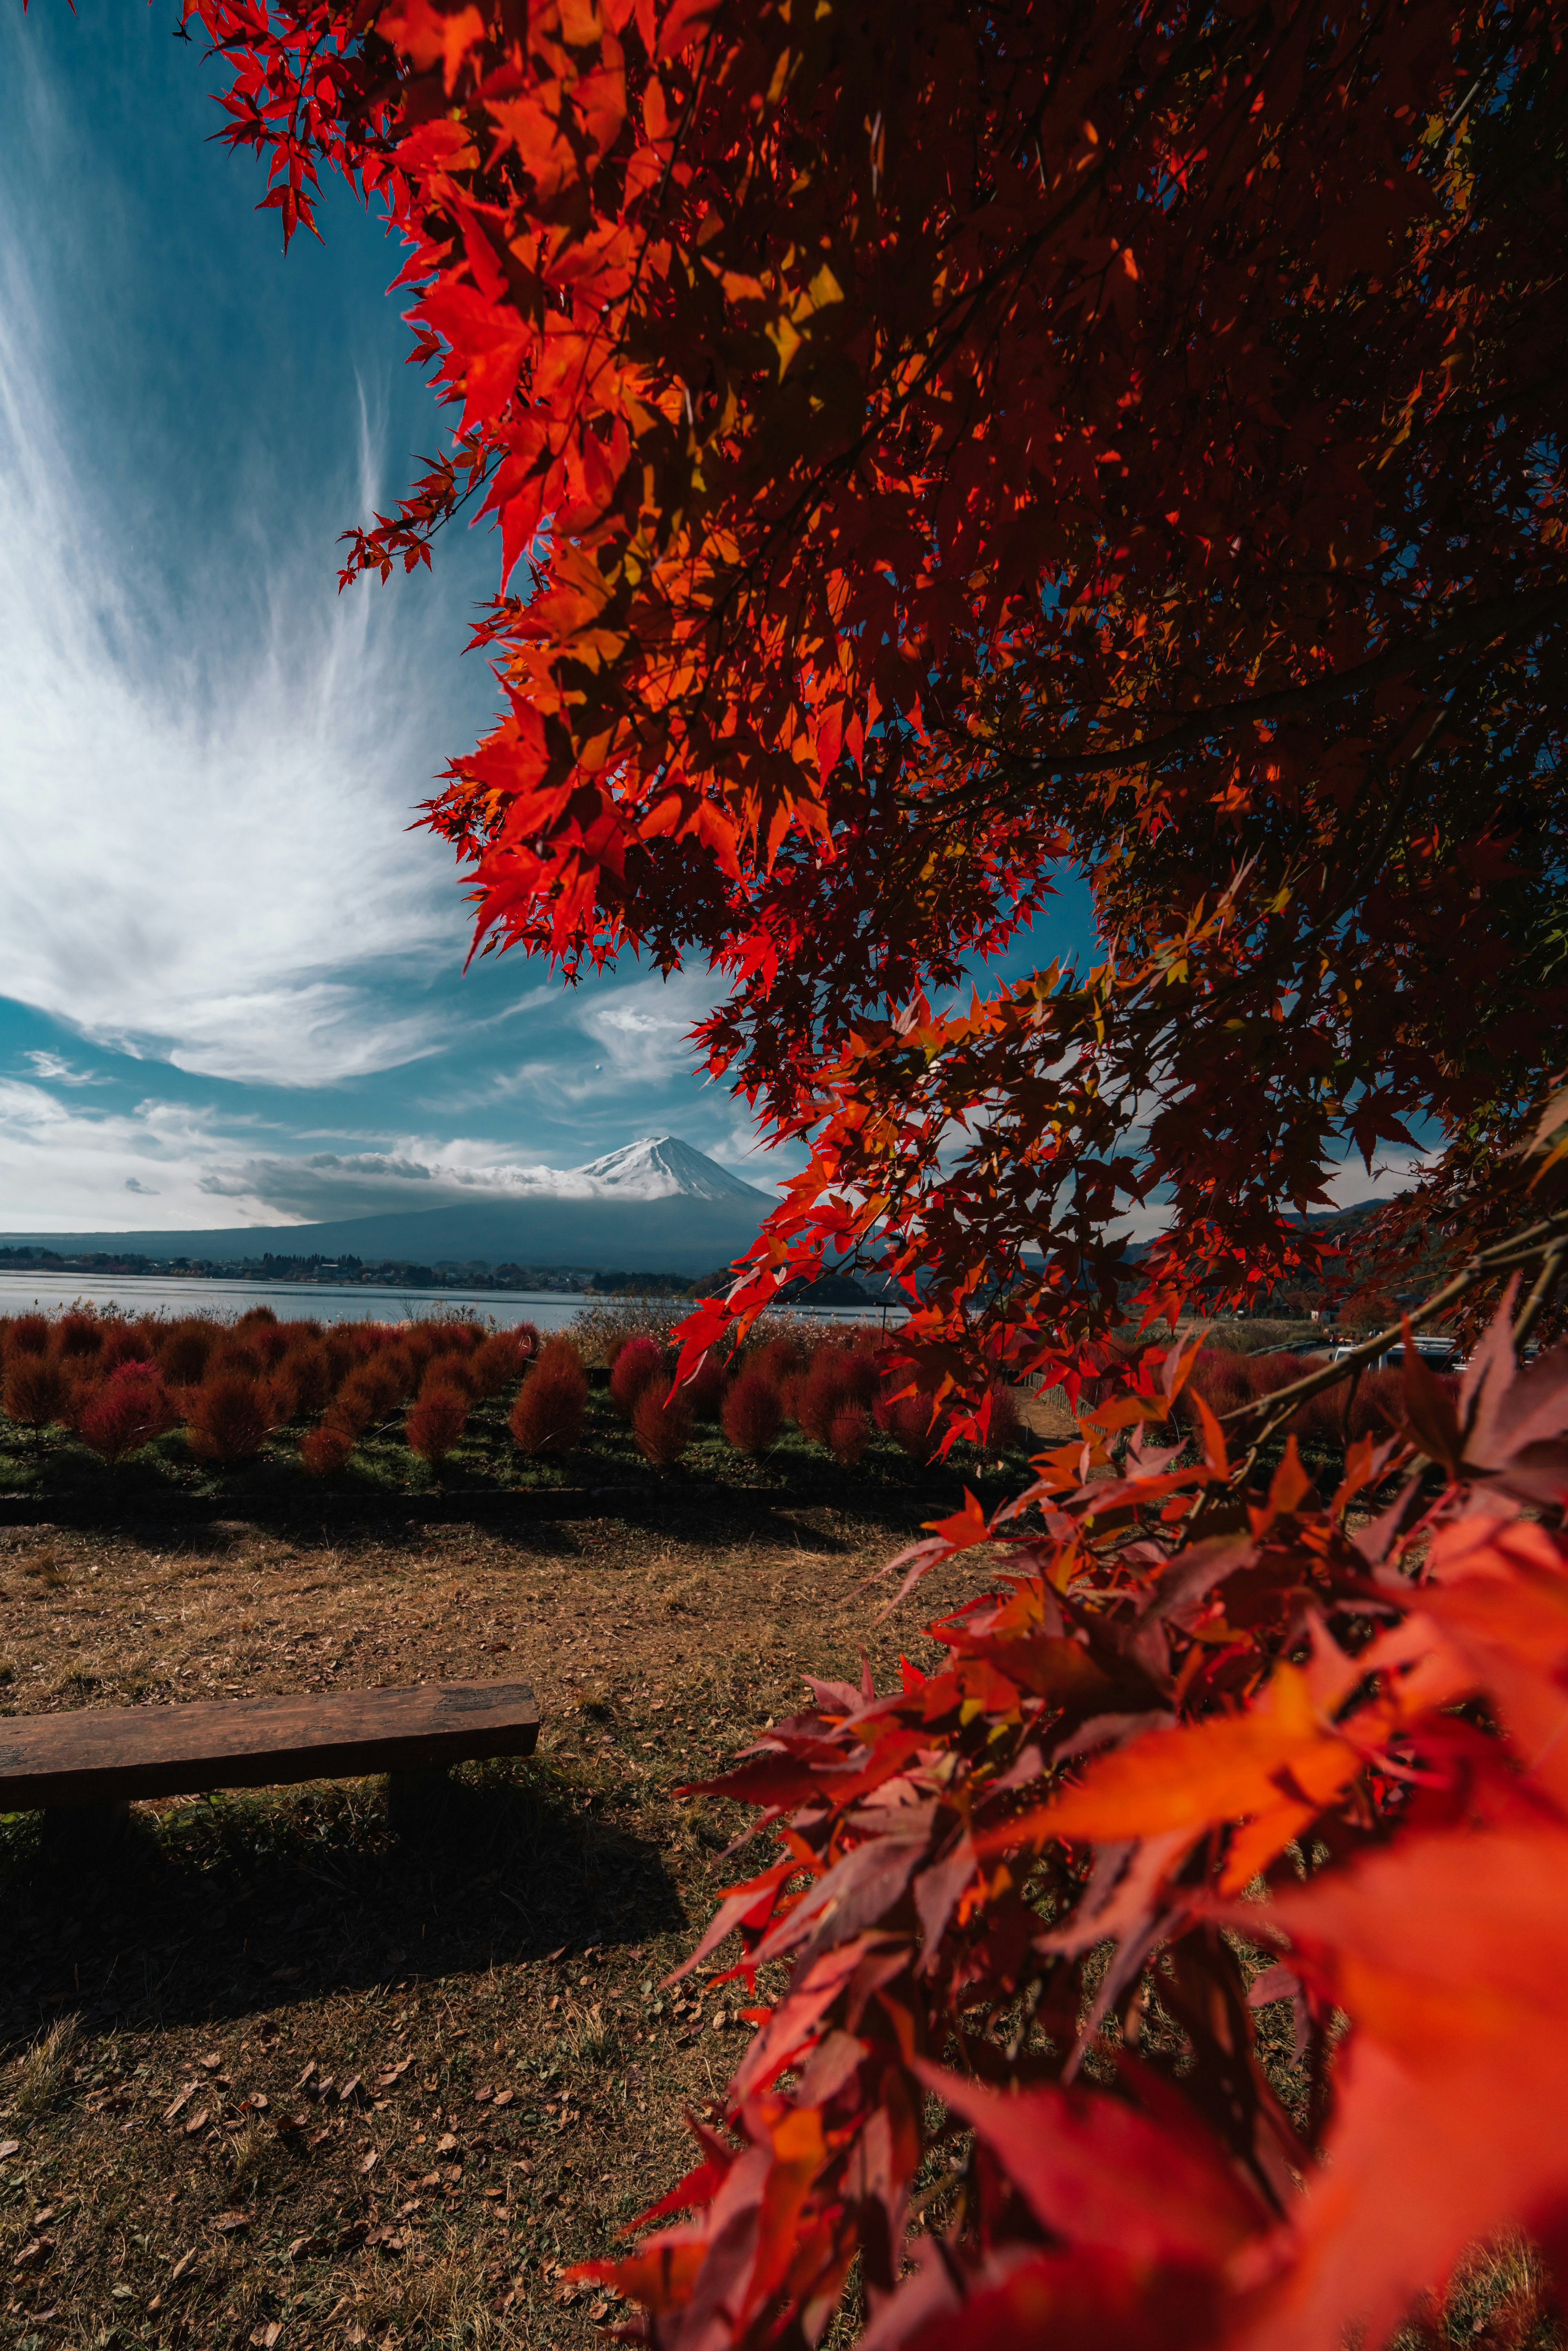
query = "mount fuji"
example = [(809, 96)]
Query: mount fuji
[(656, 1205)]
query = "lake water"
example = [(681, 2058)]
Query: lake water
[(149, 1293)]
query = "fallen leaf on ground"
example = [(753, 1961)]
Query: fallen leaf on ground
[(370, 2160), (226, 2223), (172, 2111), (196, 2123)]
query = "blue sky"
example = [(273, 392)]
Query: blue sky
[(231, 977)]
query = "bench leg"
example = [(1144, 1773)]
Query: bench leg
[(83, 1836), (417, 1800)]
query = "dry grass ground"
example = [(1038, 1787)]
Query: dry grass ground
[(283, 2076)]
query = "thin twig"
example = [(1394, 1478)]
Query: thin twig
[(1549, 1237), (1539, 1297)]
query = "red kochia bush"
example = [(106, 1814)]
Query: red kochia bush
[(368, 1395), (308, 1368), (553, 1403), (325, 1449), (1005, 1428), (849, 1433), (499, 1360), (183, 1357), (663, 1429), (436, 1422), (37, 1392), (128, 1343), (28, 1335), (706, 1388), (130, 1408), (752, 1415), (637, 1365), (78, 1336), (909, 1420), (230, 1418), (839, 1377)]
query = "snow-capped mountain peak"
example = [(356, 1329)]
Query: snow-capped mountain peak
[(660, 1167)]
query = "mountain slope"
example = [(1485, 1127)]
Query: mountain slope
[(656, 1205)]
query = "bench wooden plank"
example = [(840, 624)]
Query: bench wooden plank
[(107, 1754)]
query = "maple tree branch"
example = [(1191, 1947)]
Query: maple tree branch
[(1541, 1297), (1548, 1239), (1496, 615)]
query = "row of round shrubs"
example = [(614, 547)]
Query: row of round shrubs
[(834, 1393), (117, 1384), (1372, 1407)]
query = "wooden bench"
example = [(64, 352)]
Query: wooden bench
[(82, 1770)]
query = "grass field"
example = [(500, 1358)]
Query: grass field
[(506, 2082), (284, 2077)]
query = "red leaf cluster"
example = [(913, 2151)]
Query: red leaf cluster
[(1202, 1749), (941, 446)]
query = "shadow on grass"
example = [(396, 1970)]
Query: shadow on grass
[(247, 1902)]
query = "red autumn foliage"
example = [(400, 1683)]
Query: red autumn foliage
[(778, 1359), (78, 1336), (839, 1377), (183, 1356), (705, 1388), (1204, 1757), (663, 1425), (943, 446), (37, 1392), (552, 1404), (500, 1358), (909, 1421), (752, 1415), (129, 1410), (28, 1335), (308, 1368), (1004, 1429), (638, 1364), (369, 1393), (325, 1448), (236, 1354), (436, 1422), (230, 1418), (952, 445), (849, 1433)]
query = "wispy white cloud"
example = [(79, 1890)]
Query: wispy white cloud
[(55, 1069), (66, 1168), (208, 766)]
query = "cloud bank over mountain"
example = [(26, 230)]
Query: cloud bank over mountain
[(655, 1206)]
